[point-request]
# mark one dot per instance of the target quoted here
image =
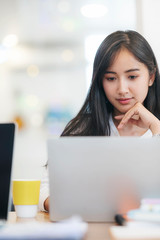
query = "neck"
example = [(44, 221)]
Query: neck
[(116, 121)]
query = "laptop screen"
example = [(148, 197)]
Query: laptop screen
[(6, 152)]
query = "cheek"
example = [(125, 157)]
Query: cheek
[(140, 92), (108, 89)]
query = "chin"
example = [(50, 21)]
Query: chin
[(124, 111)]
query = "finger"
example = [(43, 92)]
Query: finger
[(119, 116), (135, 117), (130, 114), (133, 121)]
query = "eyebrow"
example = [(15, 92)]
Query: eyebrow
[(130, 70)]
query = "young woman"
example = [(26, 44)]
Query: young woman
[(124, 97)]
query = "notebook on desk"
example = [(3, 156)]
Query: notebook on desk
[(7, 133), (98, 177)]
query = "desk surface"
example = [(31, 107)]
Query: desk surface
[(96, 231)]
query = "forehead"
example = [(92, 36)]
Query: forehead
[(125, 59)]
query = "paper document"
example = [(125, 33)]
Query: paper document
[(134, 233), (71, 229)]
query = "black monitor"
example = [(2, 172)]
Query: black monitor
[(7, 132)]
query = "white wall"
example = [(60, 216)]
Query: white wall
[(45, 31), (149, 23)]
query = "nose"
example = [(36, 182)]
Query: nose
[(122, 87)]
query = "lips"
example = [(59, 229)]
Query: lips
[(124, 100)]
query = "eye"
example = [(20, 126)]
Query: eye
[(132, 77), (110, 78)]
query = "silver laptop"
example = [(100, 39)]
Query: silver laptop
[(98, 177), (7, 134)]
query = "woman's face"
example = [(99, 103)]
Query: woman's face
[(126, 82)]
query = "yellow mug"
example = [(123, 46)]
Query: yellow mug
[(26, 197)]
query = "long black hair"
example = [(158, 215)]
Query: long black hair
[(93, 118)]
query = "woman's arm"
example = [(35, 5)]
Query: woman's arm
[(46, 204)]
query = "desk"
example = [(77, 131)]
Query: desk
[(96, 231)]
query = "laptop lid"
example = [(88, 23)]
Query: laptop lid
[(98, 177), (7, 132)]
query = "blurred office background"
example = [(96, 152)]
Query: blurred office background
[(47, 49)]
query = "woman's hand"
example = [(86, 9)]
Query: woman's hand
[(141, 117)]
